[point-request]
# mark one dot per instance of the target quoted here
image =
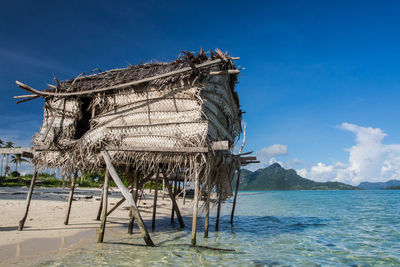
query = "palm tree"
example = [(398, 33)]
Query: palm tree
[(8, 144), (17, 159)]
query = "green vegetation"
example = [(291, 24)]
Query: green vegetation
[(275, 177), (394, 187)]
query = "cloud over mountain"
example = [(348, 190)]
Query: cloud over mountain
[(369, 159)]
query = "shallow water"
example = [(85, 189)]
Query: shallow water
[(281, 228)]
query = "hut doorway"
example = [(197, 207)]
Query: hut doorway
[(83, 124)]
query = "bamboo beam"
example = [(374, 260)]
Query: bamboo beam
[(71, 196), (28, 201), (195, 205), (104, 209), (153, 222), (119, 86), (224, 72), (128, 197)]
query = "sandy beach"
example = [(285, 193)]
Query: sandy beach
[(45, 231)]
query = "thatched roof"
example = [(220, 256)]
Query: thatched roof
[(131, 73)]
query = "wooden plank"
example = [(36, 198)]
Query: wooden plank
[(220, 145), (15, 150), (125, 192), (28, 201), (104, 209), (119, 86), (160, 149)]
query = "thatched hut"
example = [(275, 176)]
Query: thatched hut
[(181, 116)]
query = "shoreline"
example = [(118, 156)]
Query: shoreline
[(45, 231)]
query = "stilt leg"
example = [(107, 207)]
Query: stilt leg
[(163, 188), (235, 197), (28, 201), (71, 196), (135, 197), (207, 218), (218, 213), (101, 204), (153, 223), (175, 206), (104, 209), (184, 191), (129, 199), (195, 205), (172, 198)]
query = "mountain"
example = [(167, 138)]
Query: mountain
[(274, 177), (379, 185)]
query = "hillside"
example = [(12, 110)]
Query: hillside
[(274, 177), (379, 185)]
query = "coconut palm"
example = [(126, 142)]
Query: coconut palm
[(17, 159), (8, 144)]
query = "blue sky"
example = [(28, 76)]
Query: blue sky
[(310, 67)]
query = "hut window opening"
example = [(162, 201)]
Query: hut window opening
[(83, 124)]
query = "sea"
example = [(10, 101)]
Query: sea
[(271, 228)]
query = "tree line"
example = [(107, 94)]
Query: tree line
[(6, 160)]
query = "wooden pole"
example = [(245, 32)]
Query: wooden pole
[(175, 206), (153, 223), (207, 218), (195, 205), (28, 200), (116, 206), (238, 176), (101, 203), (218, 212), (173, 199), (104, 209), (235, 197), (135, 198), (128, 196), (184, 191), (163, 188), (71, 196)]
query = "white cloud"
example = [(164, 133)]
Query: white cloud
[(369, 159), (267, 156)]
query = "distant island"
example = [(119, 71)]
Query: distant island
[(274, 177), (391, 184)]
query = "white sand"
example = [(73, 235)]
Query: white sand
[(44, 228)]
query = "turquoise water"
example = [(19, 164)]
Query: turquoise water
[(281, 228)]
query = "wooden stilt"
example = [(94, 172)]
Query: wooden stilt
[(28, 201), (153, 222), (71, 196), (101, 204), (207, 217), (175, 206), (236, 193), (129, 199), (104, 209), (163, 188), (172, 198), (218, 213), (135, 197), (184, 191), (116, 206), (195, 205)]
